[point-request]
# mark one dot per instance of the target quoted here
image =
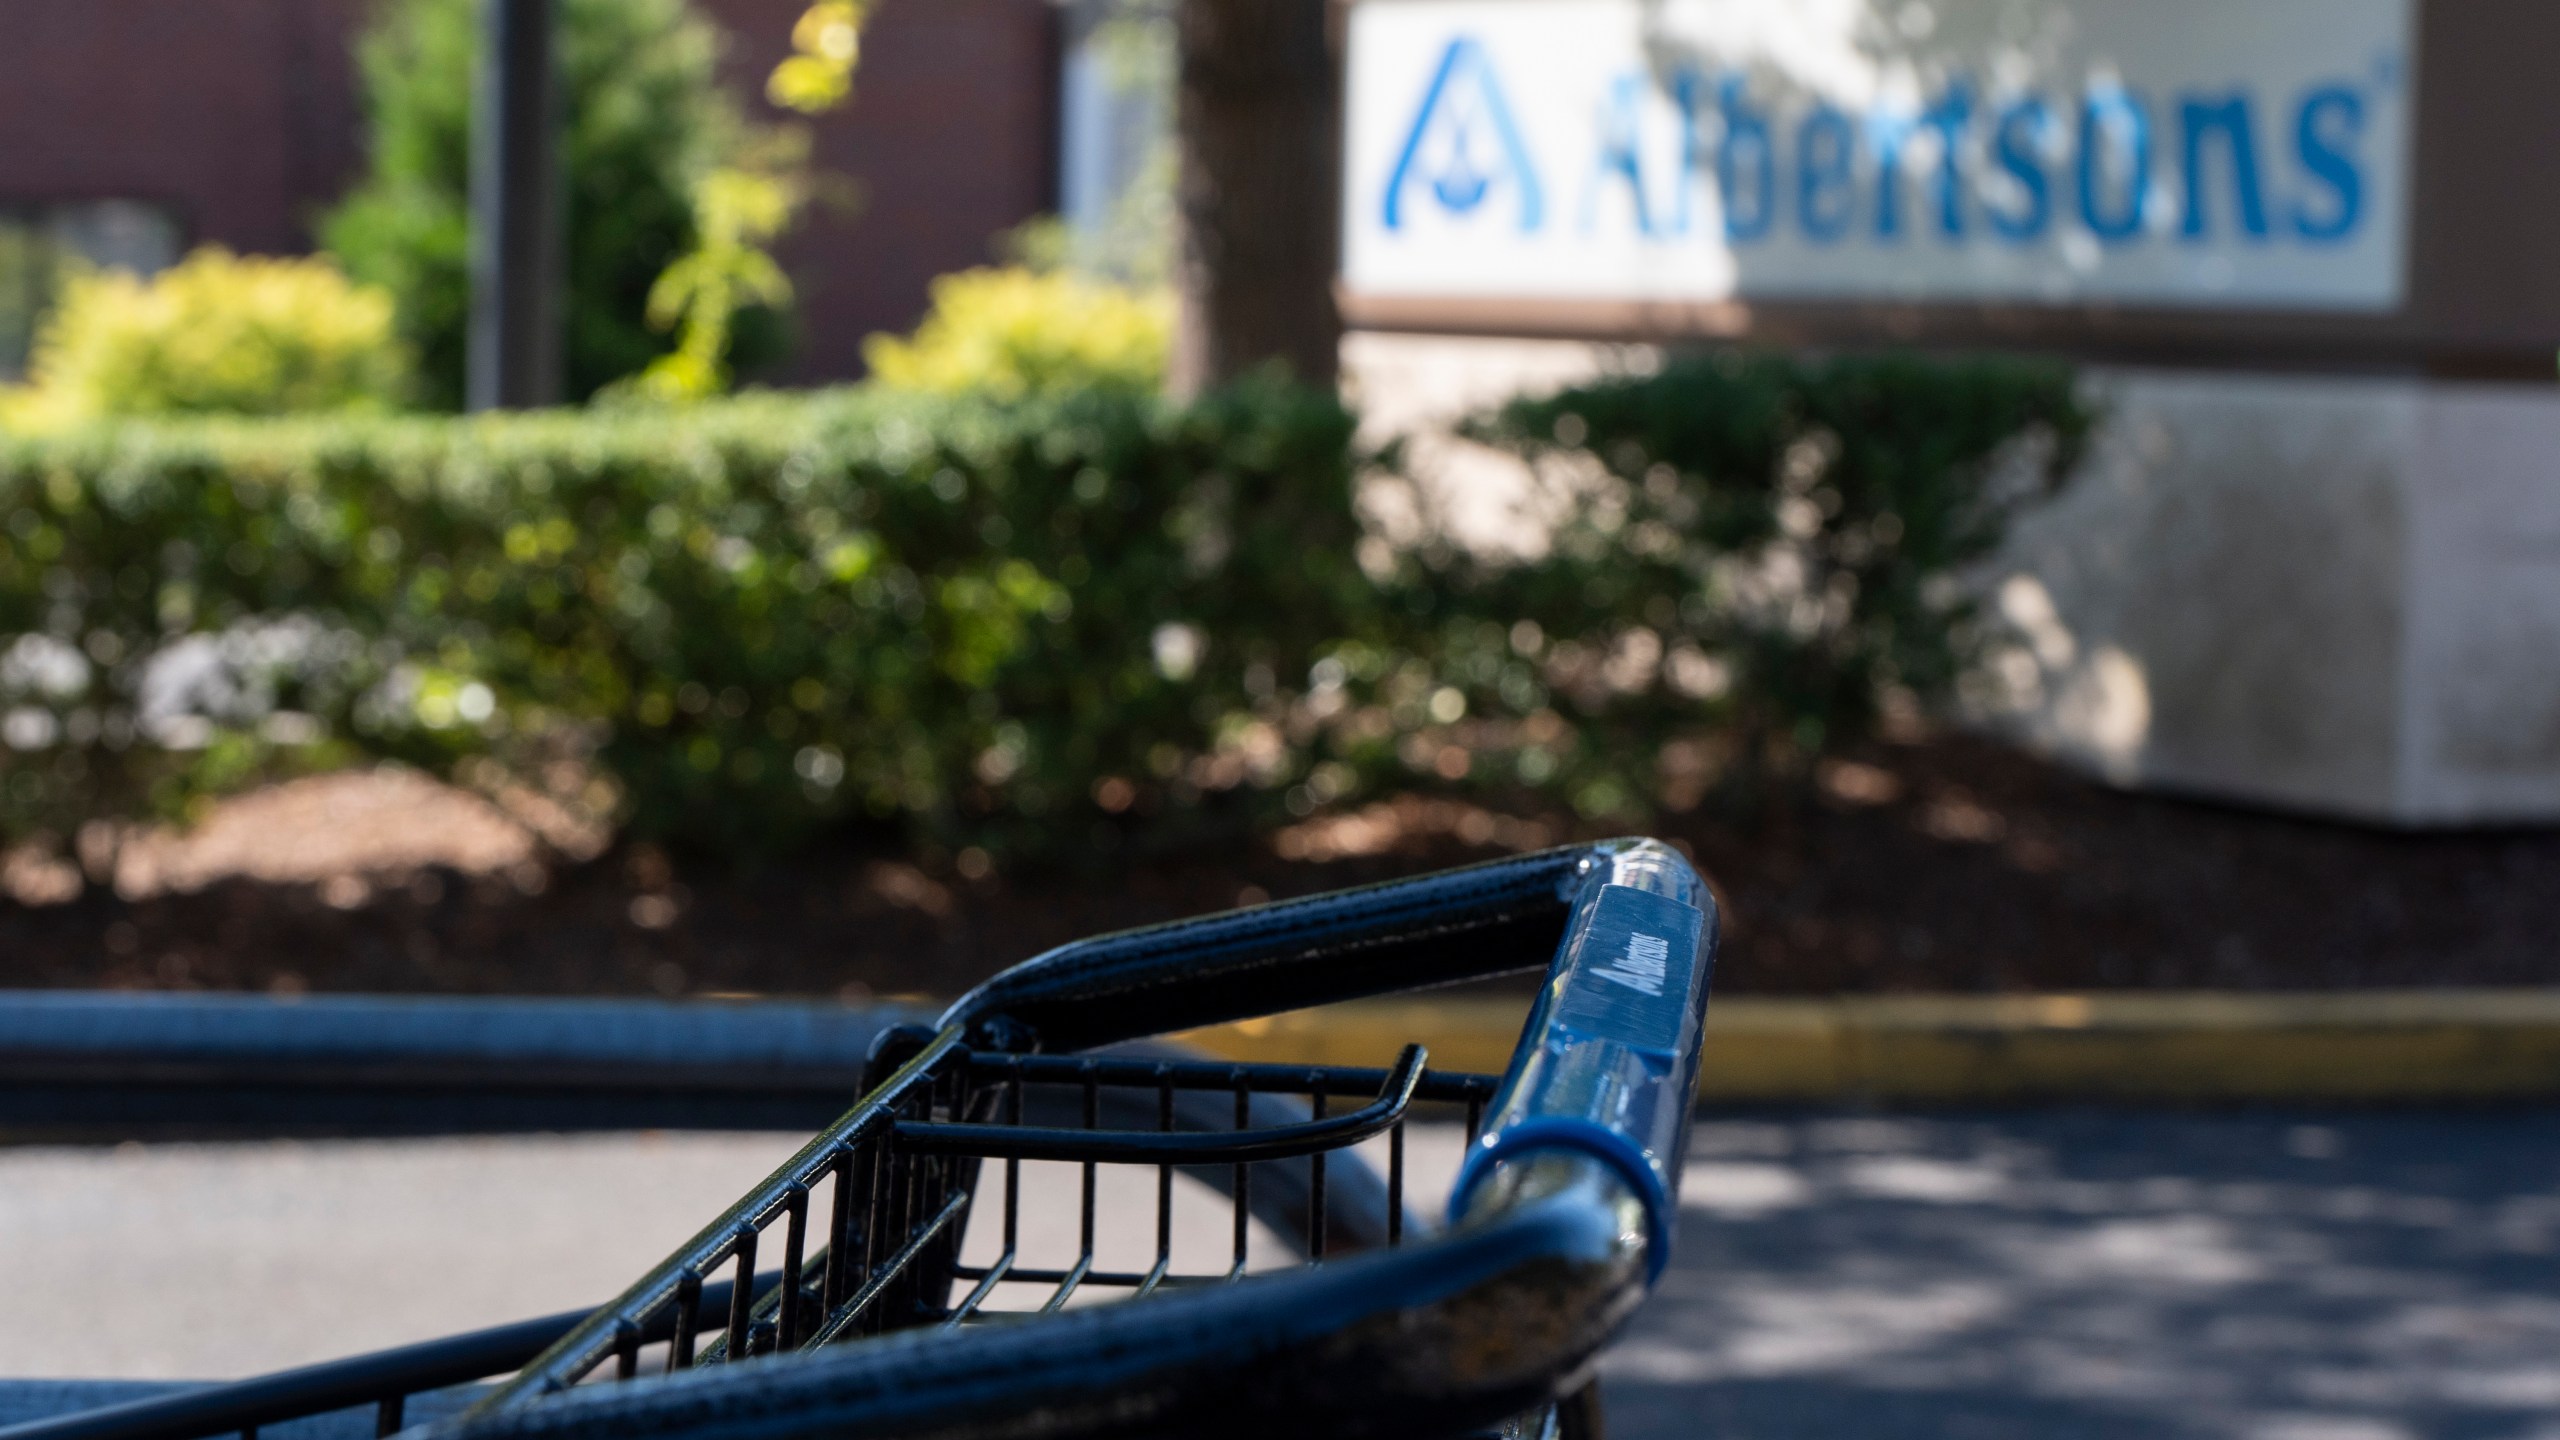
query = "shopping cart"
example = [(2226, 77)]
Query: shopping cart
[(874, 1322)]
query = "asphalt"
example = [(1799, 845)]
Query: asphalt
[(2267, 1275), (2109, 1273), (220, 1260)]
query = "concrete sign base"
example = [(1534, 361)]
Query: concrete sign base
[(2337, 594)]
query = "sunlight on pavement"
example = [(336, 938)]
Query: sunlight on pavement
[(209, 1261), (2092, 1273)]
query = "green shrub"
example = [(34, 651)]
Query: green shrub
[(1018, 331), (216, 333), (1052, 625), (1755, 549), (647, 119), (755, 617)]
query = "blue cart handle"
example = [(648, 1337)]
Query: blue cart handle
[(1609, 1061), (1503, 916)]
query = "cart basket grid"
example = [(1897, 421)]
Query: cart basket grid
[(841, 1280)]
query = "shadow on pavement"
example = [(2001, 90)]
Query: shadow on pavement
[(2261, 1275)]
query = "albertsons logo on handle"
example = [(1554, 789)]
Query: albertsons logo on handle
[(1643, 968), (2243, 153)]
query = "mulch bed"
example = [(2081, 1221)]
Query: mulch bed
[(1944, 864)]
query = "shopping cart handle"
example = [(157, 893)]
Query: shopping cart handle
[(1606, 1065), (1609, 1059), (1490, 919)]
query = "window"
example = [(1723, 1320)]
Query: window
[(1115, 163), (35, 241)]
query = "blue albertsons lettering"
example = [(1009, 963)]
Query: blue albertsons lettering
[(2114, 127), (1746, 157), (1827, 153), (1645, 966), (1891, 135), (1621, 149), (1959, 166), (2200, 120), (2326, 129), (2023, 129)]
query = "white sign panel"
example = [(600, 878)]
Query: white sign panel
[(2160, 152)]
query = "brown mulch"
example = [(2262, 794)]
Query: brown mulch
[(1946, 864)]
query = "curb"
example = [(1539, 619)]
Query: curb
[(2373, 1047)]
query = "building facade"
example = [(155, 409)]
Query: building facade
[(132, 130)]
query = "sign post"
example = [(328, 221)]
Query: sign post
[(514, 348)]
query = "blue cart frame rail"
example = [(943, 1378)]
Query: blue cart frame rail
[(1560, 1222), (80, 1065)]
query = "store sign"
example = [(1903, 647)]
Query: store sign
[(2244, 153)]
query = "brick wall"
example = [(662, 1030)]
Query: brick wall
[(241, 117), (950, 139)]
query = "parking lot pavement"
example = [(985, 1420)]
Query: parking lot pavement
[(210, 1261), (2097, 1273), (2100, 1273)]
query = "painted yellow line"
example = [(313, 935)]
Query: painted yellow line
[(2378, 1046)]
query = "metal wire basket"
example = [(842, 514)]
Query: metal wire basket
[(874, 1324)]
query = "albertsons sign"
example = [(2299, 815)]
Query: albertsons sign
[(2164, 152)]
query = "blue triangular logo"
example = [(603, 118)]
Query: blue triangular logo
[(1464, 144)]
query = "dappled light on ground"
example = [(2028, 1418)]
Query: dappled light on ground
[(346, 833), (2260, 1277)]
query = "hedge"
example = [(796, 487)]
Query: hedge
[(1763, 549), (1051, 625)]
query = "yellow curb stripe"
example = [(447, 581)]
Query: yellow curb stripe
[(2377, 1046)]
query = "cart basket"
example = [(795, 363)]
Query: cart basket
[(866, 1322)]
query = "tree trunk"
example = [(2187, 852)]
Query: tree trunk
[(1258, 119)]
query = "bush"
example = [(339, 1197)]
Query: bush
[(1759, 550), (1020, 331), (216, 333), (1047, 626), (754, 617), (647, 119)]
